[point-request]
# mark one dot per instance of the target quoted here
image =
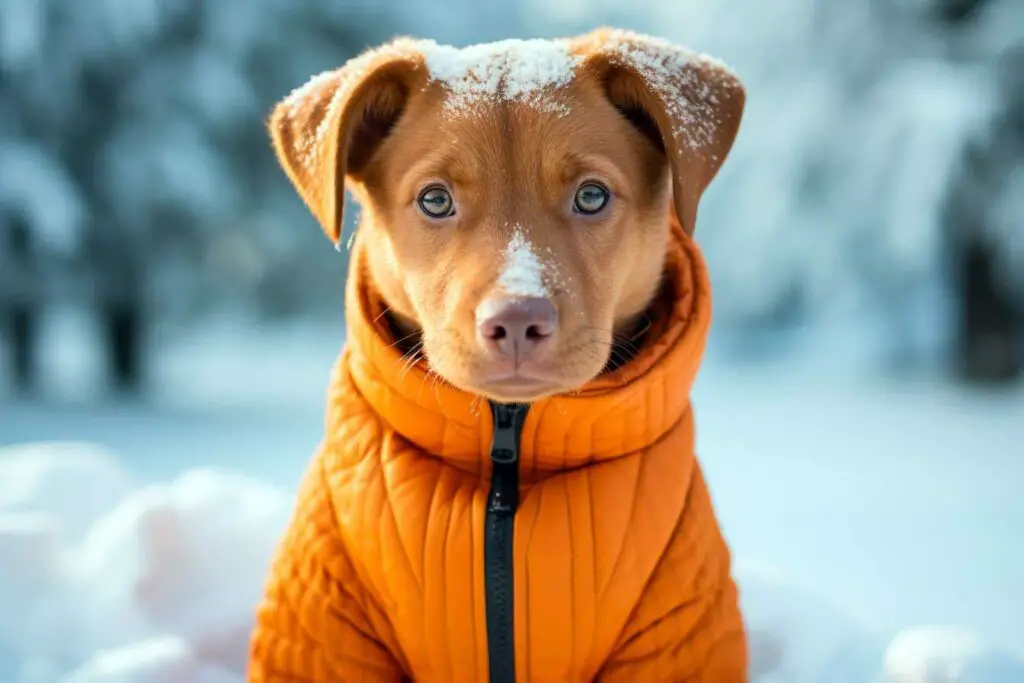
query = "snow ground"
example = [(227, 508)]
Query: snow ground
[(859, 509)]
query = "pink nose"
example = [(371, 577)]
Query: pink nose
[(515, 327)]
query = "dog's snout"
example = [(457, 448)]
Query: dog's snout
[(516, 327)]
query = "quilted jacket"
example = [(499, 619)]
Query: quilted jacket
[(408, 559)]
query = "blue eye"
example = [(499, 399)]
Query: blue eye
[(590, 199), (436, 202)]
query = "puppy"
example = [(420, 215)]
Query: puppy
[(507, 488)]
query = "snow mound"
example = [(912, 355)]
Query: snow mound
[(31, 561), (947, 655), (797, 636), (70, 483), (162, 586), (188, 558), (160, 660)]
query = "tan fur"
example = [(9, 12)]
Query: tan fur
[(510, 166)]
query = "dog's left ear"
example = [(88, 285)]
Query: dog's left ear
[(688, 105), (328, 130)]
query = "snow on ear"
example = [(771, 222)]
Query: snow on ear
[(330, 127), (689, 105)]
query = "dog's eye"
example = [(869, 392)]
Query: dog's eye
[(436, 202), (590, 199)]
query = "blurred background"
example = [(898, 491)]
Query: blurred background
[(164, 293), (871, 213)]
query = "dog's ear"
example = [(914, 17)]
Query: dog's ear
[(688, 105), (329, 128)]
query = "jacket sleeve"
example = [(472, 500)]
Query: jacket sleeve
[(687, 625), (314, 624)]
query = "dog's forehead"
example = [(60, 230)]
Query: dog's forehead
[(537, 73), (525, 71)]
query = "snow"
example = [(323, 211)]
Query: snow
[(527, 71), (944, 654), (1009, 212), (523, 272), (666, 68), (21, 29), (181, 162), (873, 521), (71, 484), (507, 70), (165, 659), (160, 587), (36, 185)]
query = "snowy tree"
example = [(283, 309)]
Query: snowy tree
[(133, 139), (828, 227)]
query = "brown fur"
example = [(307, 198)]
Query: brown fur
[(509, 166)]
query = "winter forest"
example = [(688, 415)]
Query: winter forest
[(879, 167), (169, 311)]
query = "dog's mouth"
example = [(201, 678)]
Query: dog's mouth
[(523, 382), (517, 378), (519, 386)]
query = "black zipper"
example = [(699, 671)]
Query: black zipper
[(499, 533)]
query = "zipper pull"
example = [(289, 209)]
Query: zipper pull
[(508, 427)]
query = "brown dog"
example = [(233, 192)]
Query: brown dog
[(475, 214), (528, 209)]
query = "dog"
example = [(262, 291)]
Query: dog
[(506, 489)]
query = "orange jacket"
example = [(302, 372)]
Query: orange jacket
[(618, 570)]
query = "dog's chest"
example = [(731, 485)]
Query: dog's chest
[(585, 543)]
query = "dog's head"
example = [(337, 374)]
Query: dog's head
[(515, 195)]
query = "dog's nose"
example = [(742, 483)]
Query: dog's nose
[(516, 327)]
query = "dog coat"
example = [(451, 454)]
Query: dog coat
[(438, 538)]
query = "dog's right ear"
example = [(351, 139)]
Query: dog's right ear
[(687, 104), (330, 127)]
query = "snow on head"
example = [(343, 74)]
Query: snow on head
[(527, 70), (666, 68), (509, 70), (523, 273)]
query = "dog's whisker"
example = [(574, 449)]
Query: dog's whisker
[(410, 358), (426, 380), (387, 309), (627, 346), (405, 371), (407, 337), (412, 353), (436, 386)]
